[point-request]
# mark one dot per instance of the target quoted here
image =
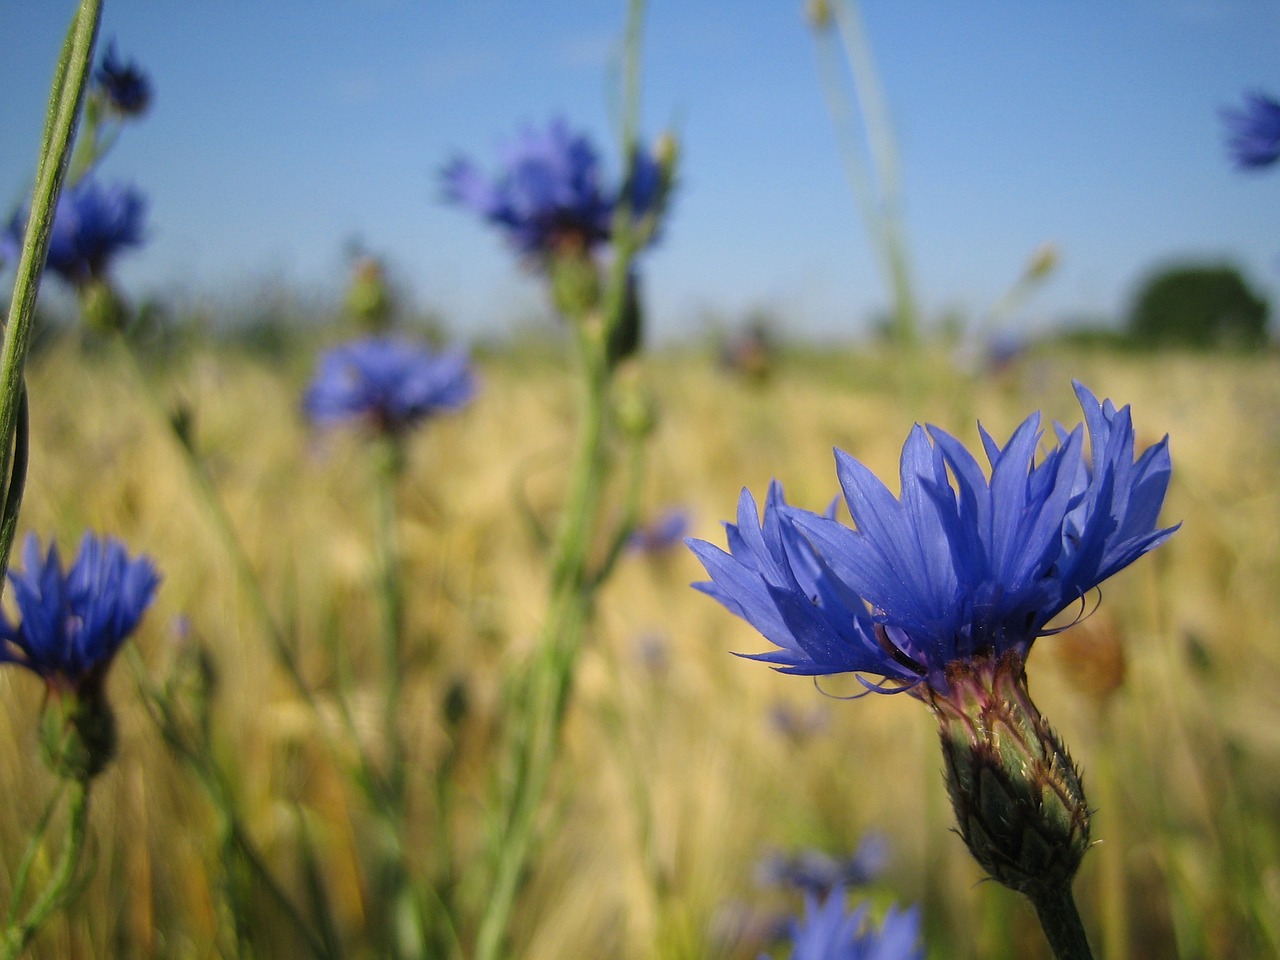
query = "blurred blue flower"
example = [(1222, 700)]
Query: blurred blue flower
[(957, 566), (74, 622), (818, 873), (828, 932), (123, 86), (549, 196), (388, 384), (93, 223), (661, 534), (1254, 132)]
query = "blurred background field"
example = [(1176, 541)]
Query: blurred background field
[(684, 766)]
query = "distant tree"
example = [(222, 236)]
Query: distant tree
[(1199, 306)]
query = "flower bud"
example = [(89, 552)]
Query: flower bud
[(103, 310), (575, 282), (1016, 794), (78, 731)]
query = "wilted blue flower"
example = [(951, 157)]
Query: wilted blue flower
[(818, 873), (1254, 132), (828, 932), (957, 566), (124, 87), (388, 384), (73, 622), (660, 534), (92, 224), (549, 196)]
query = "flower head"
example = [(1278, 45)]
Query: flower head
[(660, 534), (817, 872), (73, 622), (1254, 132), (93, 223), (828, 932), (124, 87), (387, 383), (958, 565), (549, 196)]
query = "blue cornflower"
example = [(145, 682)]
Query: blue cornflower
[(1254, 132), (817, 872), (956, 567), (659, 535), (92, 224), (123, 86), (549, 196), (73, 622), (828, 932), (387, 383)]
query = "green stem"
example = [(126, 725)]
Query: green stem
[(55, 151), (1061, 923), (18, 936)]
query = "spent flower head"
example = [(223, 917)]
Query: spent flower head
[(957, 566), (388, 384), (829, 931), (122, 86), (1253, 133), (92, 225), (549, 196)]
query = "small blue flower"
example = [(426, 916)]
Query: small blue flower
[(93, 223), (958, 565), (387, 383), (828, 932), (664, 532), (1254, 132), (124, 86), (74, 622), (818, 873), (549, 196)]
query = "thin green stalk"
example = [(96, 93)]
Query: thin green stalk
[(18, 936), (1062, 926), (55, 152), (34, 843)]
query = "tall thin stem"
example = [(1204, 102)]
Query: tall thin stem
[(1062, 925)]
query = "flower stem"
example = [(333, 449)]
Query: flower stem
[(55, 152), (1061, 924), (61, 885)]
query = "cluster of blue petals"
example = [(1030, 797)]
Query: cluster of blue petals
[(387, 383), (817, 872), (93, 223), (124, 86), (73, 622), (549, 191), (661, 534), (1254, 132), (956, 566), (828, 932)]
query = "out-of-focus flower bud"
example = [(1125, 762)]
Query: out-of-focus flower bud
[(818, 13), (78, 731), (635, 409), (101, 307), (368, 297), (1092, 652)]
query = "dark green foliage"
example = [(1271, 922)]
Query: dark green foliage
[(1199, 306)]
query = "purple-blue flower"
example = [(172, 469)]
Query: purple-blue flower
[(73, 622), (662, 533), (549, 195), (1254, 131), (388, 384), (123, 85), (828, 932), (93, 223), (817, 872), (958, 565)]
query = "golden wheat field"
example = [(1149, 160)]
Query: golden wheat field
[(677, 774)]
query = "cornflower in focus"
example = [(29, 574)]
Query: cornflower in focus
[(388, 385), (73, 623), (828, 932), (1254, 131), (549, 197), (122, 86), (941, 593)]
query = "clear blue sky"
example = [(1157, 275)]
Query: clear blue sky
[(281, 129)]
